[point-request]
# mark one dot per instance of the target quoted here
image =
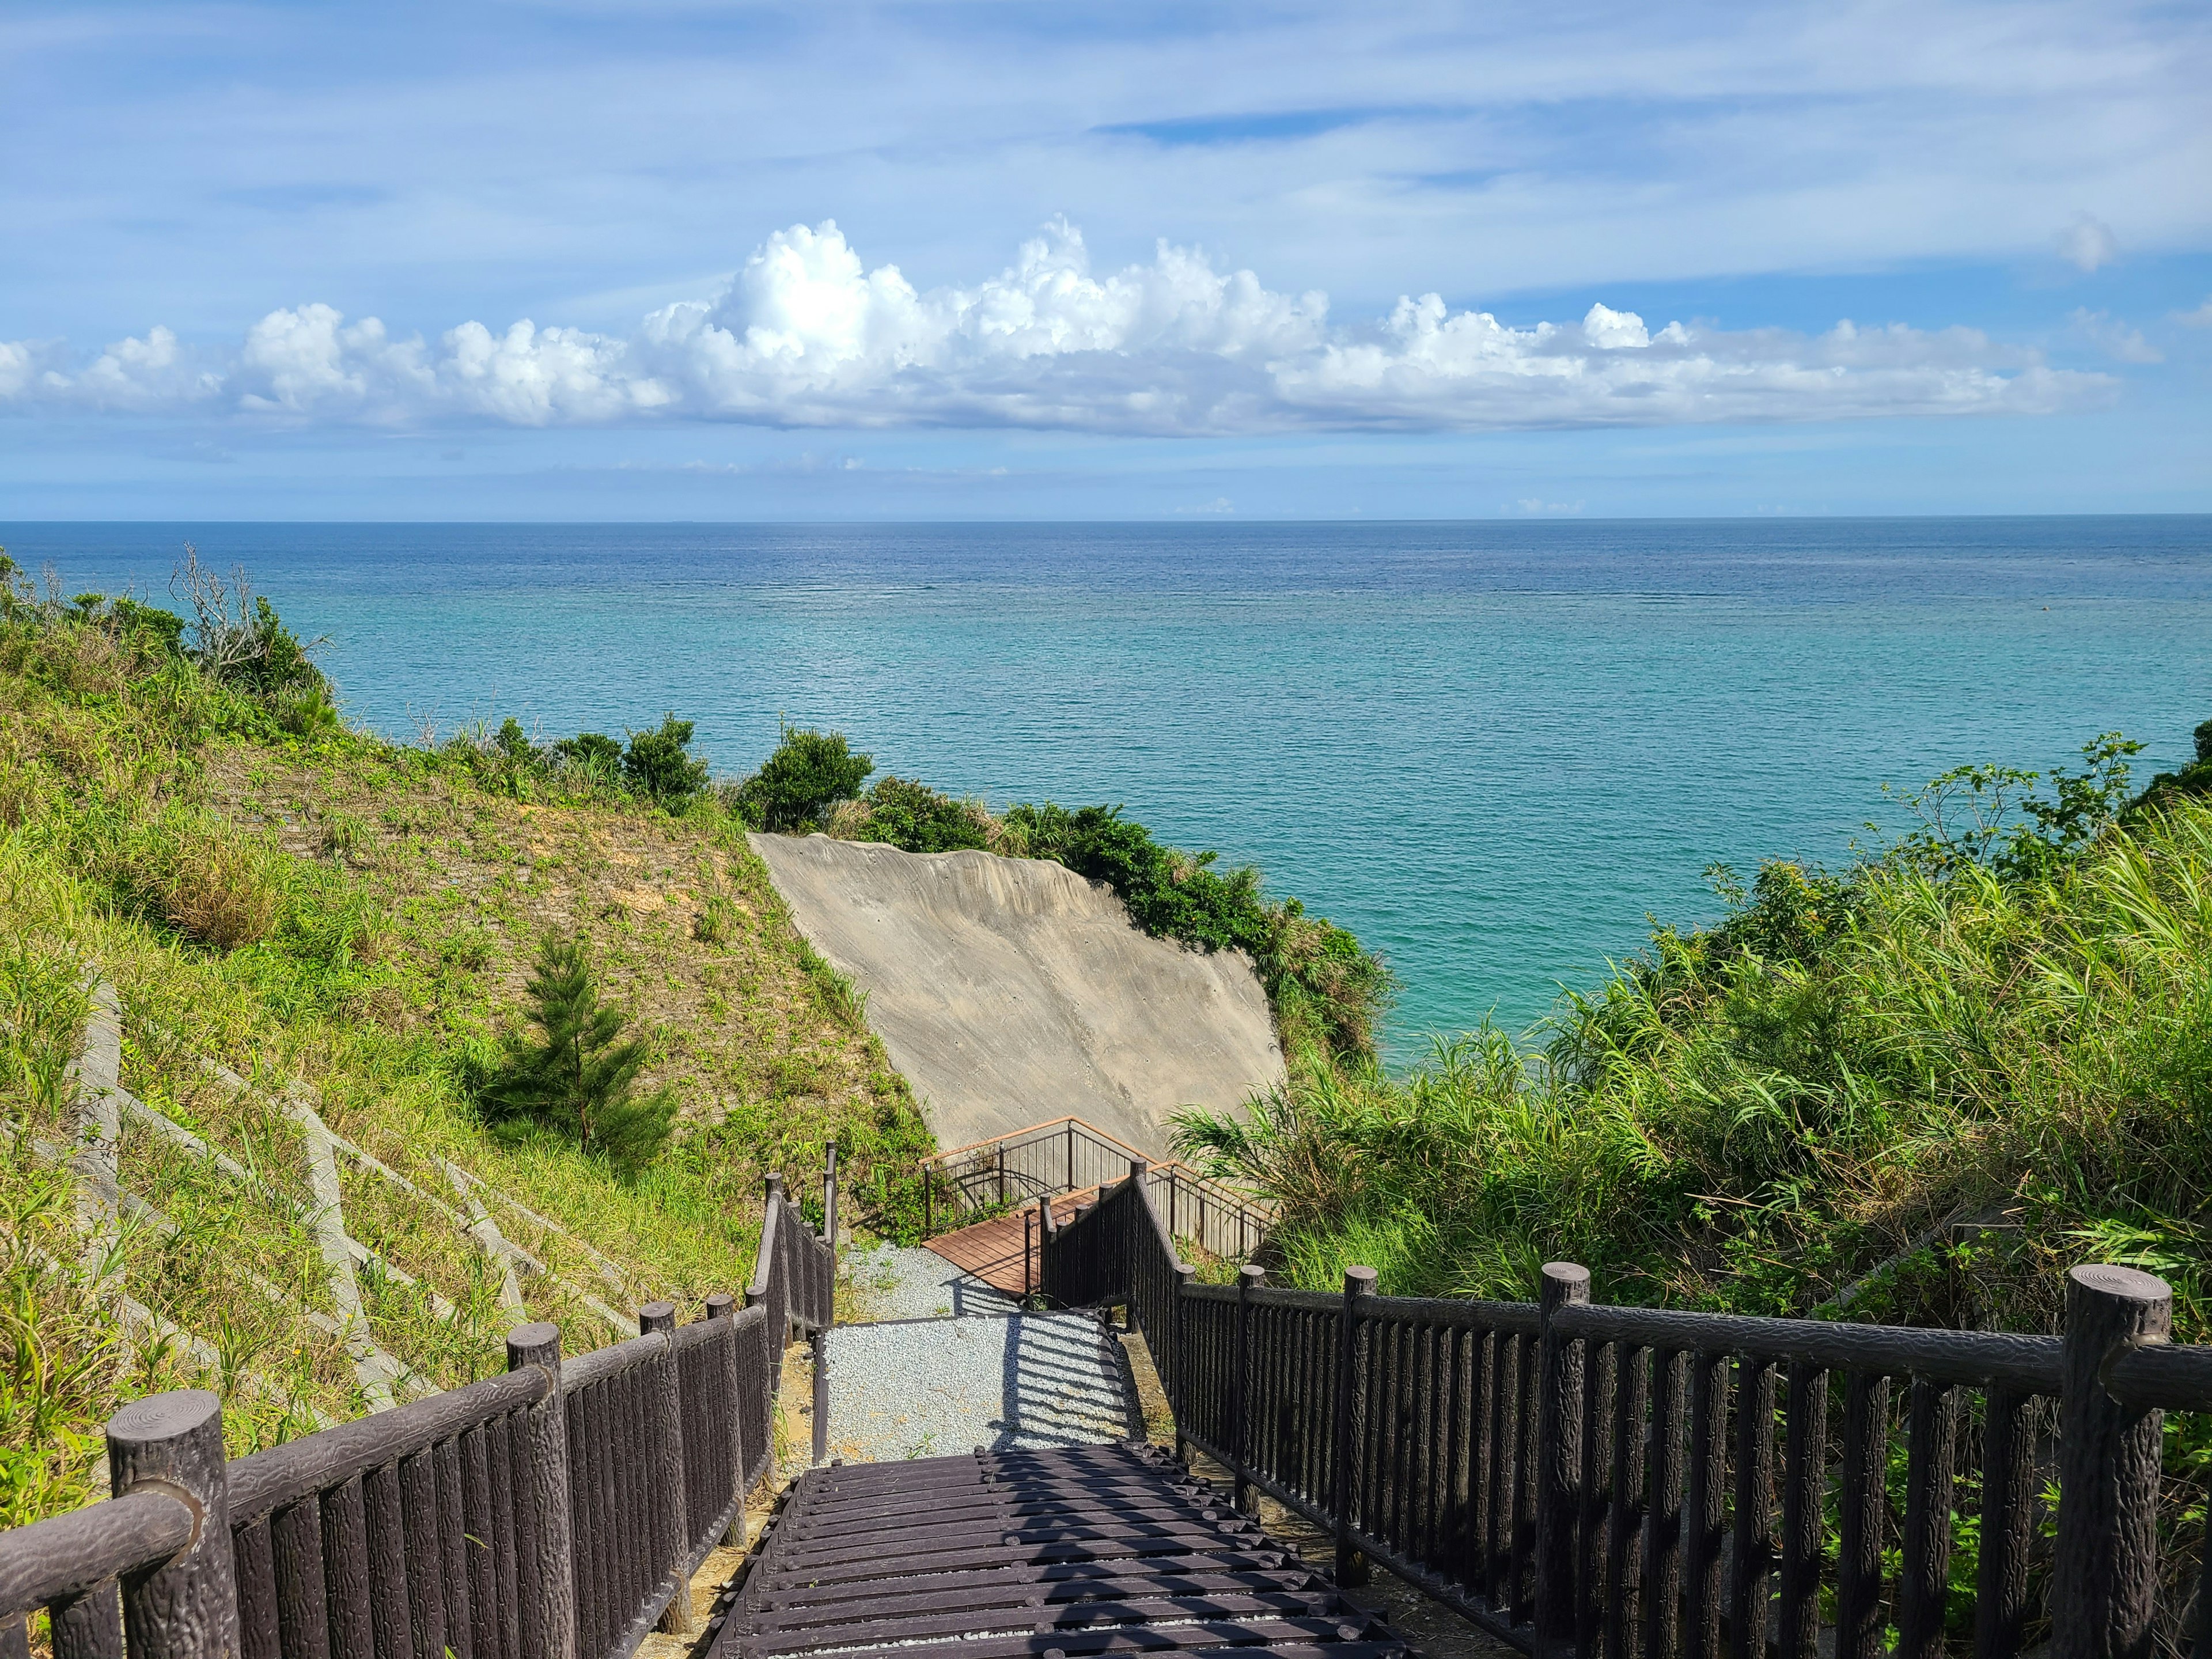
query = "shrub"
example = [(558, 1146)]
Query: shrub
[(238, 639), (915, 818), (578, 1079), (595, 754), (660, 766), (807, 774)]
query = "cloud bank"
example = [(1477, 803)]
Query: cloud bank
[(806, 336)]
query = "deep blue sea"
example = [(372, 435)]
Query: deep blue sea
[(1491, 750)]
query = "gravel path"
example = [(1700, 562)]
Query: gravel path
[(902, 1284), (937, 1387)]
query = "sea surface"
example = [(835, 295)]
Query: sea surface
[(1493, 750)]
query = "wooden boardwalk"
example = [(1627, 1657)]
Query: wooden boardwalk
[(1002, 1252), (1056, 1554)]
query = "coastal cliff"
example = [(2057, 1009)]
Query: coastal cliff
[(1008, 990)]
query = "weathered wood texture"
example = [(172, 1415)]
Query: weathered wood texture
[(1647, 1484), (1012, 1555), (557, 1512)]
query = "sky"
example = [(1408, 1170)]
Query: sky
[(684, 259)]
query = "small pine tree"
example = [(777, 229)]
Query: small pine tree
[(579, 1079)]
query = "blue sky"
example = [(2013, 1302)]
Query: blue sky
[(718, 261)]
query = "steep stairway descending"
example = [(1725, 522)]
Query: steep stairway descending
[(927, 1388), (1061, 1554)]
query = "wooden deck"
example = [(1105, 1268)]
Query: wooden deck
[(1058, 1554), (992, 1250)]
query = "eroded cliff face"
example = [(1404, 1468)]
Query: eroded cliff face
[(1011, 990)]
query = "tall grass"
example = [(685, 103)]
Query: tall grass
[(316, 909), (1910, 1093)]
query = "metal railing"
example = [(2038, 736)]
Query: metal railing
[(1065, 1155), (1640, 1484), (558, 1511)]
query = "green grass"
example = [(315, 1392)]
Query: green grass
[(356, 917), (1914, 1091)]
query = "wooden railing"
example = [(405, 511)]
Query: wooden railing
[(1065, 1155), (558, 1511), (1640, 1484)]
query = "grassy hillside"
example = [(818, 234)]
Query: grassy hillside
[(1913, 1089), (314, 907)]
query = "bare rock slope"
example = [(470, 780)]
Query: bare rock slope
[(1011, 990)]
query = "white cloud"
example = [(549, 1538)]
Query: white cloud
[(2115, 339), (2087, 243), (2199, 317), (806, 335)]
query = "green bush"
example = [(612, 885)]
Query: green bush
[(659, 765), (808, 772), (915, 818), (578, 1078)]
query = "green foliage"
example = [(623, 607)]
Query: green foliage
[(807, 774), (1999, 817), (579, 1078), (914, 817), (2195, 779), (1914, 1090), (660, 766), (594, 753)]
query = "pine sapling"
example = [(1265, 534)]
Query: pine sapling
[(578, 1077)]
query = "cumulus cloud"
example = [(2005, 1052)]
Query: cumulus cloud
[(807, 335), (2087, 243), (2198, 317)]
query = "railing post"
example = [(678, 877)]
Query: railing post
[(2106, 1576), (1351, 1564), (1070, 1155), (1559, 1458), (830, 1207), (928, 1202), (664, 1430), (1171, 1375), (186, 1607), (550, 1597), (723, 1306), (819, 1343), (1245, 1496)]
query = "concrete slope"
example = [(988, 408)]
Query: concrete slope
[(1010, 990)]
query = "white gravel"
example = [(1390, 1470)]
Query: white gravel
[(913, 1283), (940, 1387)]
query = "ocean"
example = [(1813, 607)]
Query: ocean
[(1494, 750)]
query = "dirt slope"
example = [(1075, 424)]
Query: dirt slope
[(1010, 990)]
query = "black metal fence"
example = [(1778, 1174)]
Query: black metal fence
[(1640, 1484), (555, 1512), (1067, 1155)]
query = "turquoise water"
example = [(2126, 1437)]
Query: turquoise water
[(1491, 750)]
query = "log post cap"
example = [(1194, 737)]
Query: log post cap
[(1359, 1281), (1250, 1278), (160, 1416), (721, 1305), (656, 1317), (1564, 1282), (2109, 1283), (538, 1344)]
